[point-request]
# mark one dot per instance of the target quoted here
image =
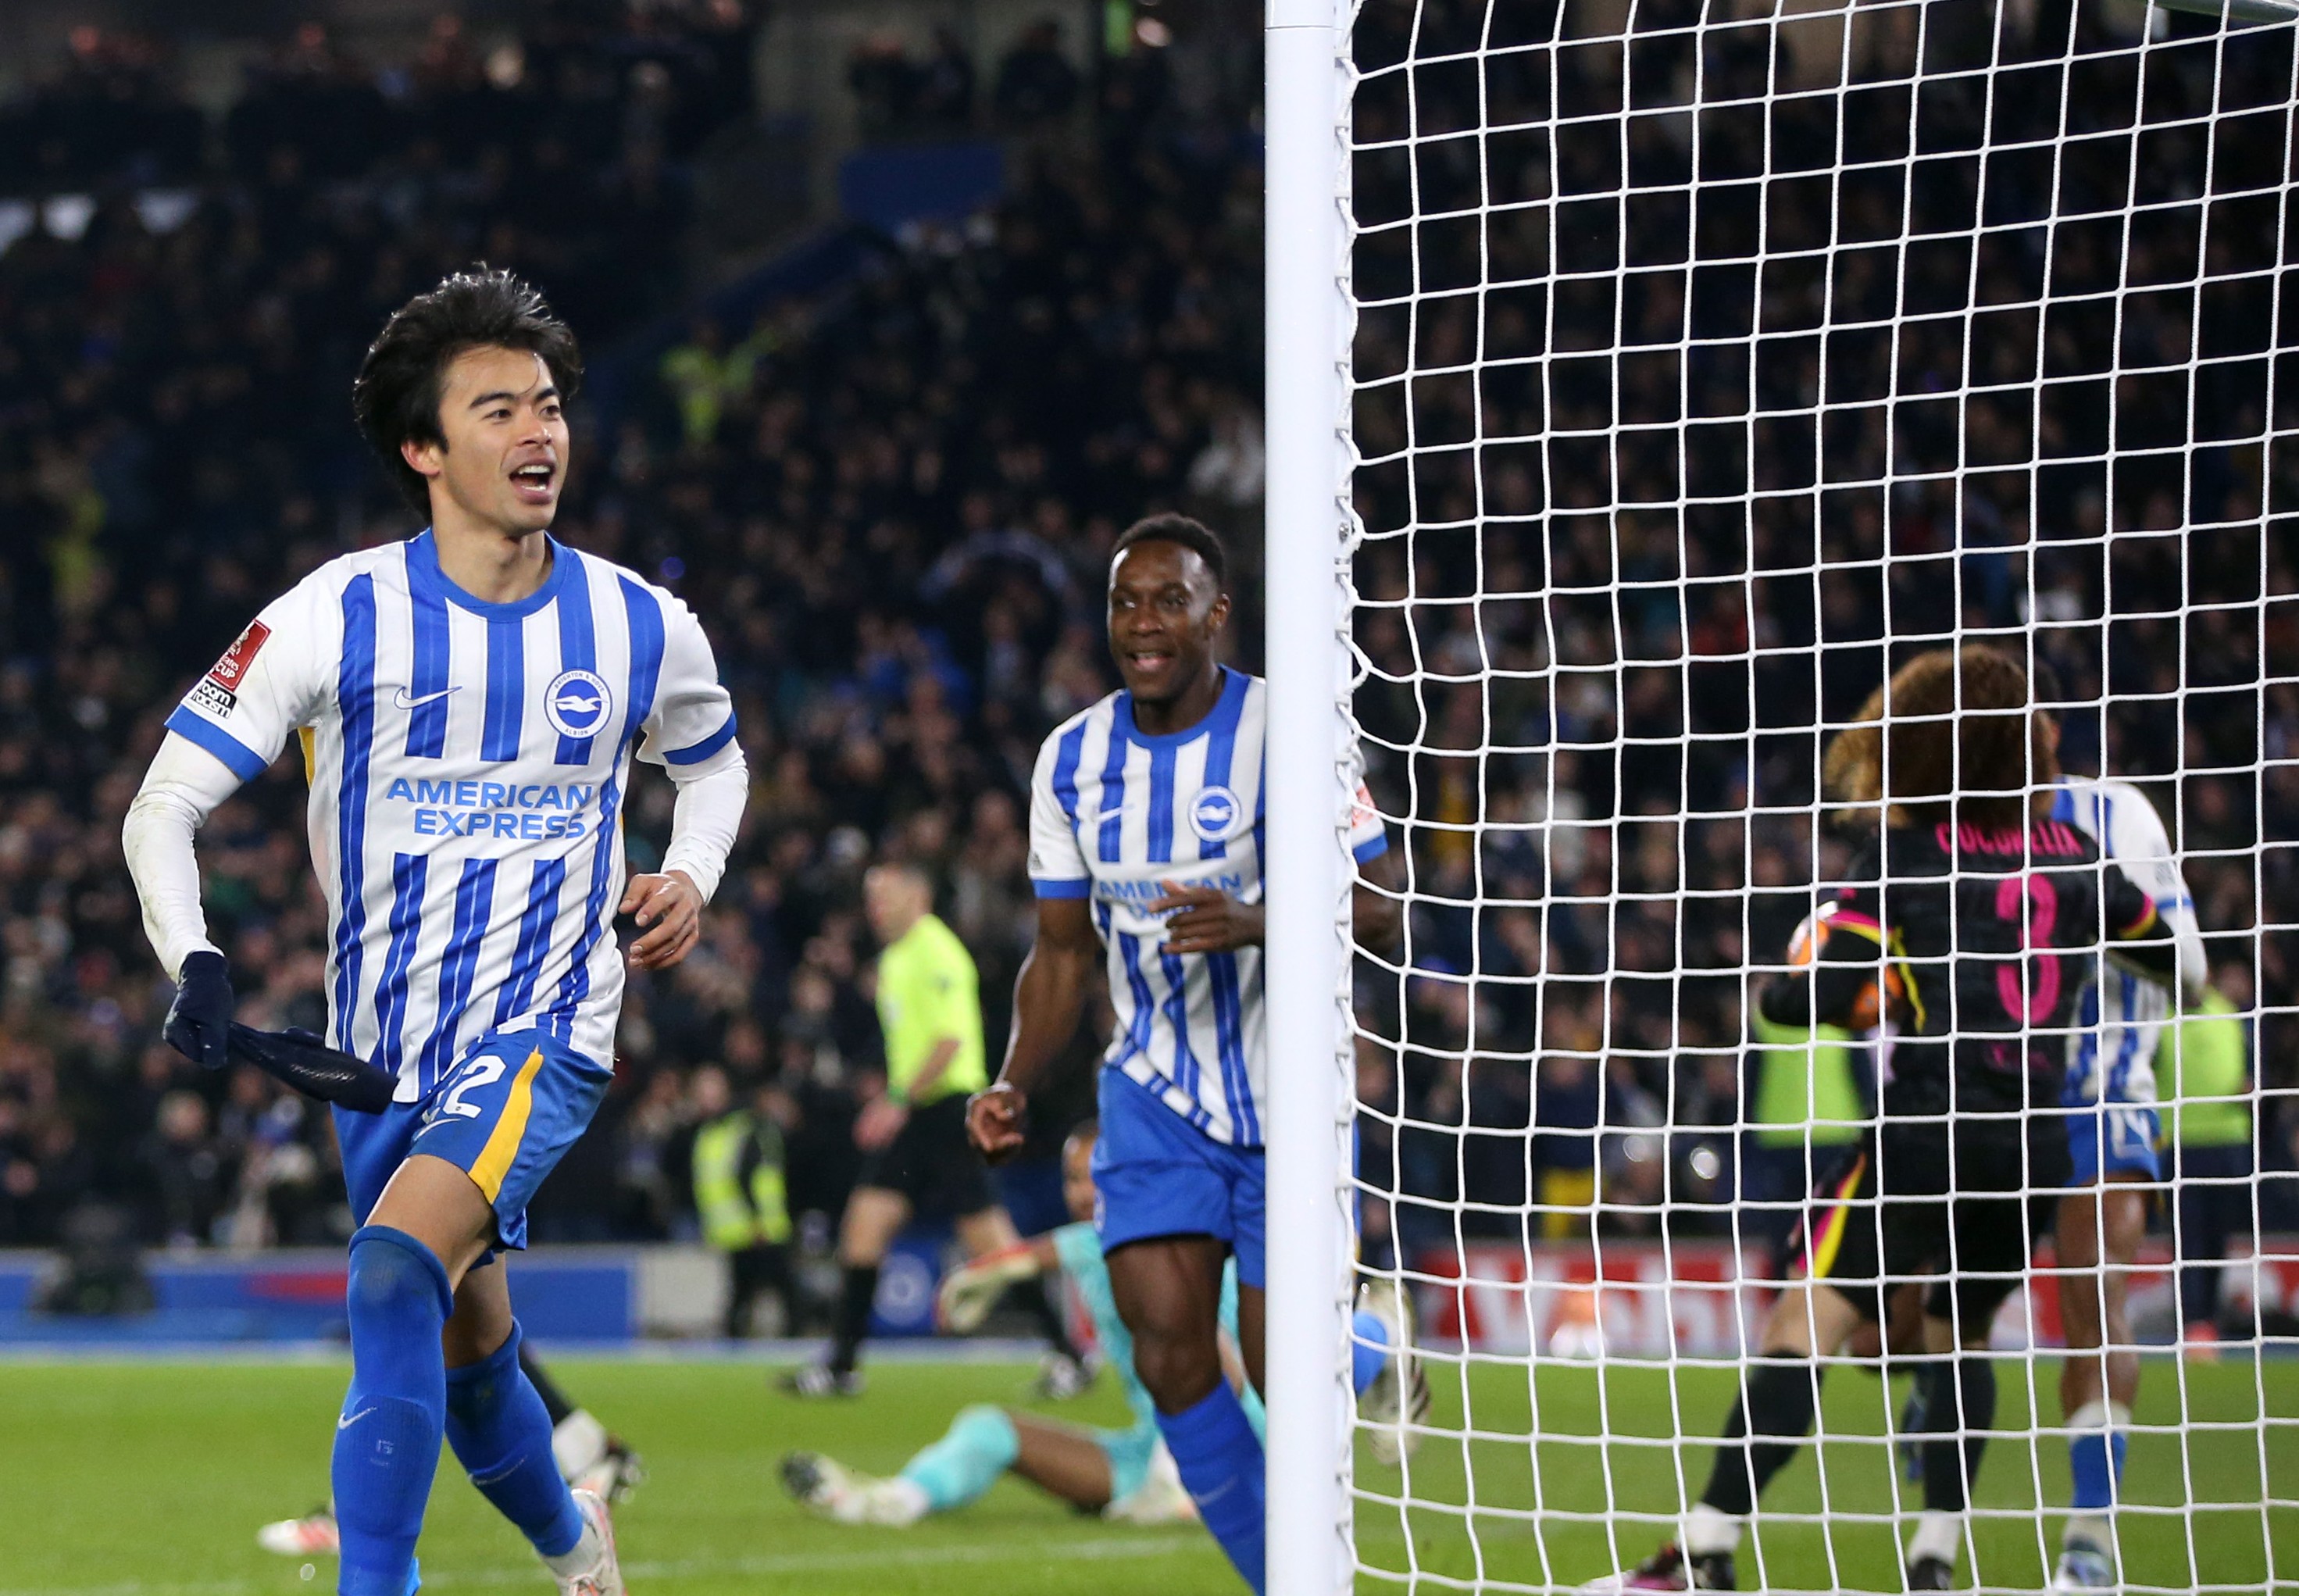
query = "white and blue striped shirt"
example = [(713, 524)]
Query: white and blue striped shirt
[(1116, 814), (468, 763), (2112, 1052)]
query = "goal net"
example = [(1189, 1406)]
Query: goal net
[(1705, 363)]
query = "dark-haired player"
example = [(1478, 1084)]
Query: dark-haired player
[(468, 705), (1993, 916), (1145, 848)]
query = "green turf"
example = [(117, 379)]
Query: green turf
[(149, 1479)]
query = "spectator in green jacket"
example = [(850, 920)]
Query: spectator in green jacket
[(2204, 1063), (739, 1195)]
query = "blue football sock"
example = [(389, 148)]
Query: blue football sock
[(979, 1446), (1220, 1462), (2094, 1457), (500, 1431), (1368, 1351), (387, 1437), (2088, 1461)]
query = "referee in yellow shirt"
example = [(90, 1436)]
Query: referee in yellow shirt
[(916, 1157)]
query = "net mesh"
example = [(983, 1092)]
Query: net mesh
[(1709, 360)]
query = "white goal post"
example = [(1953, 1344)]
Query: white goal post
[(1645, 379), (1307, 863)]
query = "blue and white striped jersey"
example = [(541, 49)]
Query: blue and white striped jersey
[(1116, 815), (2111, 1054), (468, 764)]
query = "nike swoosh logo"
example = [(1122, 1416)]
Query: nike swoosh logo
[(399, 699), (349, 1419)]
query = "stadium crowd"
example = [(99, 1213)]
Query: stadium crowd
[(892, 503)]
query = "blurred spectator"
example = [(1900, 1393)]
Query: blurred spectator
[(704, 375), (2206, 1081), (893, 508), (886, 83), (945, 84), (740, 1195), (1036, 83), (188, 1172)]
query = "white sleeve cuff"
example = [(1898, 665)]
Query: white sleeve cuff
[(183, 787), (703, 824)]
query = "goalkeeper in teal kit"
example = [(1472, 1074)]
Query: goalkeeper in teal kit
[(1125, 1475)]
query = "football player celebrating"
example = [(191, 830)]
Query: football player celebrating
[(1145, 849), (468, 705), (1993, 915)]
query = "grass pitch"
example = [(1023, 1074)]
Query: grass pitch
[(148, 1479)]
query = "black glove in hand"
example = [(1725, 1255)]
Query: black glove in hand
[(307, 1063), (199, 1021)]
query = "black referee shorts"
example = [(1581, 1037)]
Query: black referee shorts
[(1909, 1203), (930, 1162)]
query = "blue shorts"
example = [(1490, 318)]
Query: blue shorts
[(503, 1117), (2111, 1139), (1155, 1174)]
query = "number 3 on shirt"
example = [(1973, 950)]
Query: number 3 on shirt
[(2031, 903)]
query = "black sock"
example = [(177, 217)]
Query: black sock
[(1959, 1395), (853, 1315), (1038, 1298), (1776, 1405), (554, 1401)]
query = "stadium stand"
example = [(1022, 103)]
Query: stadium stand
[(891, 501)]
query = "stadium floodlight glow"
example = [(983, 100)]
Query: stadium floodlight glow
[(1696, 363)]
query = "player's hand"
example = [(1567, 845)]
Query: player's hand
[(199, 1021), (1206, 920), (996, 1120), (972, 1289), (880, 1120), (668, 909)]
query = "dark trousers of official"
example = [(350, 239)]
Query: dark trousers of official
[(754, 1270), (2216, 1199)]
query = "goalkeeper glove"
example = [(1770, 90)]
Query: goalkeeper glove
[(972, 1289), (307, 1063), (199, 1021)]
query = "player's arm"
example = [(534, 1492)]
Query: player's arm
[(1049, 999), (184, 786), (1377, 904), (2141, 848), (969, 1291), (1050, 993), (690, 735), (226, 732), (921, 1085), (1828, 991), (2138, 935)]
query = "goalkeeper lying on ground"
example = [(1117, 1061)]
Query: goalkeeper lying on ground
[(1123, 1475)]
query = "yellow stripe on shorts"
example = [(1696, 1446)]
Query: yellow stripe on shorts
[(501, 1150), (1831, 1236)]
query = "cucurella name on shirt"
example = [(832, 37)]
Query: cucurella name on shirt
[(494, 808)]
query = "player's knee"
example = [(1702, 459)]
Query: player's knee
[(1177, 1369), (391, 1275)]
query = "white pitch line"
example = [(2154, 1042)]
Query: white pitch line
[(814, 1562)]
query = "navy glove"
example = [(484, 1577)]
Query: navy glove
[(199, 1021), (307, 1063)]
